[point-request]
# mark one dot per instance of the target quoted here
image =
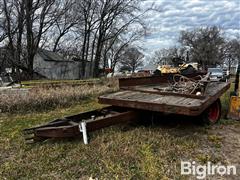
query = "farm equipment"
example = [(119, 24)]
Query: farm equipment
[(138, 97), (183, 69), (234, 107)]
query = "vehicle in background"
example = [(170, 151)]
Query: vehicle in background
[(226, 73), (216, 74)]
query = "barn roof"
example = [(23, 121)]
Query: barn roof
[(52, 56)]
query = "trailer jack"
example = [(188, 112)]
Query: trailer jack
[(83, 130)]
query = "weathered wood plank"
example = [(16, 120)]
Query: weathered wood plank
[(155, 90), (165, 103)]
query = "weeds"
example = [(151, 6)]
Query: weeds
[(43, 98)]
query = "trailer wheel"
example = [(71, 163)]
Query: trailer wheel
[(213, 113)]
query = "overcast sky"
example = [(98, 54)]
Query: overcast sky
[(177, 15)]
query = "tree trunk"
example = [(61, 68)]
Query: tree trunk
[(92, 55), (30, 41), (87, 49), (83, 53), (98, 56)]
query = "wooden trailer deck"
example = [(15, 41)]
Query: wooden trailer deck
[(148, 97)]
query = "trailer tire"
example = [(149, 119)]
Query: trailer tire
[(213, 113)]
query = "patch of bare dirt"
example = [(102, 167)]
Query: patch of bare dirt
[(223, 145), (230, 138)]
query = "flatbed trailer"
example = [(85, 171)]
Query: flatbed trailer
[(143, 93), (136, 97)]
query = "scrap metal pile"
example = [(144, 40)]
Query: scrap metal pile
[(184, 85)]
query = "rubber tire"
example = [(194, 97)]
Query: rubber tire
[(213, 113)]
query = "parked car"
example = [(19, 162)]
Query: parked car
[(226, 73), (216, 74)]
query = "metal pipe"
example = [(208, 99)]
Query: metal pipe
[(83, 129)]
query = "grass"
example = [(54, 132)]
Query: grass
[(225, 100), (133, 151), (115, 152), (50, 82), (46, 98)]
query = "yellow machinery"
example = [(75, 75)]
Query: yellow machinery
[(168, 69), (234, 107)]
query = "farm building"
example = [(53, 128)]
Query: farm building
[(53, 65)]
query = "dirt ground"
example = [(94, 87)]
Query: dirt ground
[(227, 137), (230, 136)]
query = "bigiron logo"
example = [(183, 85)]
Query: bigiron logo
[(202, 171)]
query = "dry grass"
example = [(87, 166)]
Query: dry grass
[(119, 152), (138, 152), (44, 98), (59, 83)]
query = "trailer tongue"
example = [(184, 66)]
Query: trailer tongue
[(137, 96), (80, 124)]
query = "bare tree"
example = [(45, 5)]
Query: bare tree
[(13, 17), (64, 21), (40, 16), (117, 48), (112, 13), (25, 23), (132, 58), (232, 52), (3, 33), (87, 14), (101, 23), (206, 45), (98, 30), (173, 56)]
